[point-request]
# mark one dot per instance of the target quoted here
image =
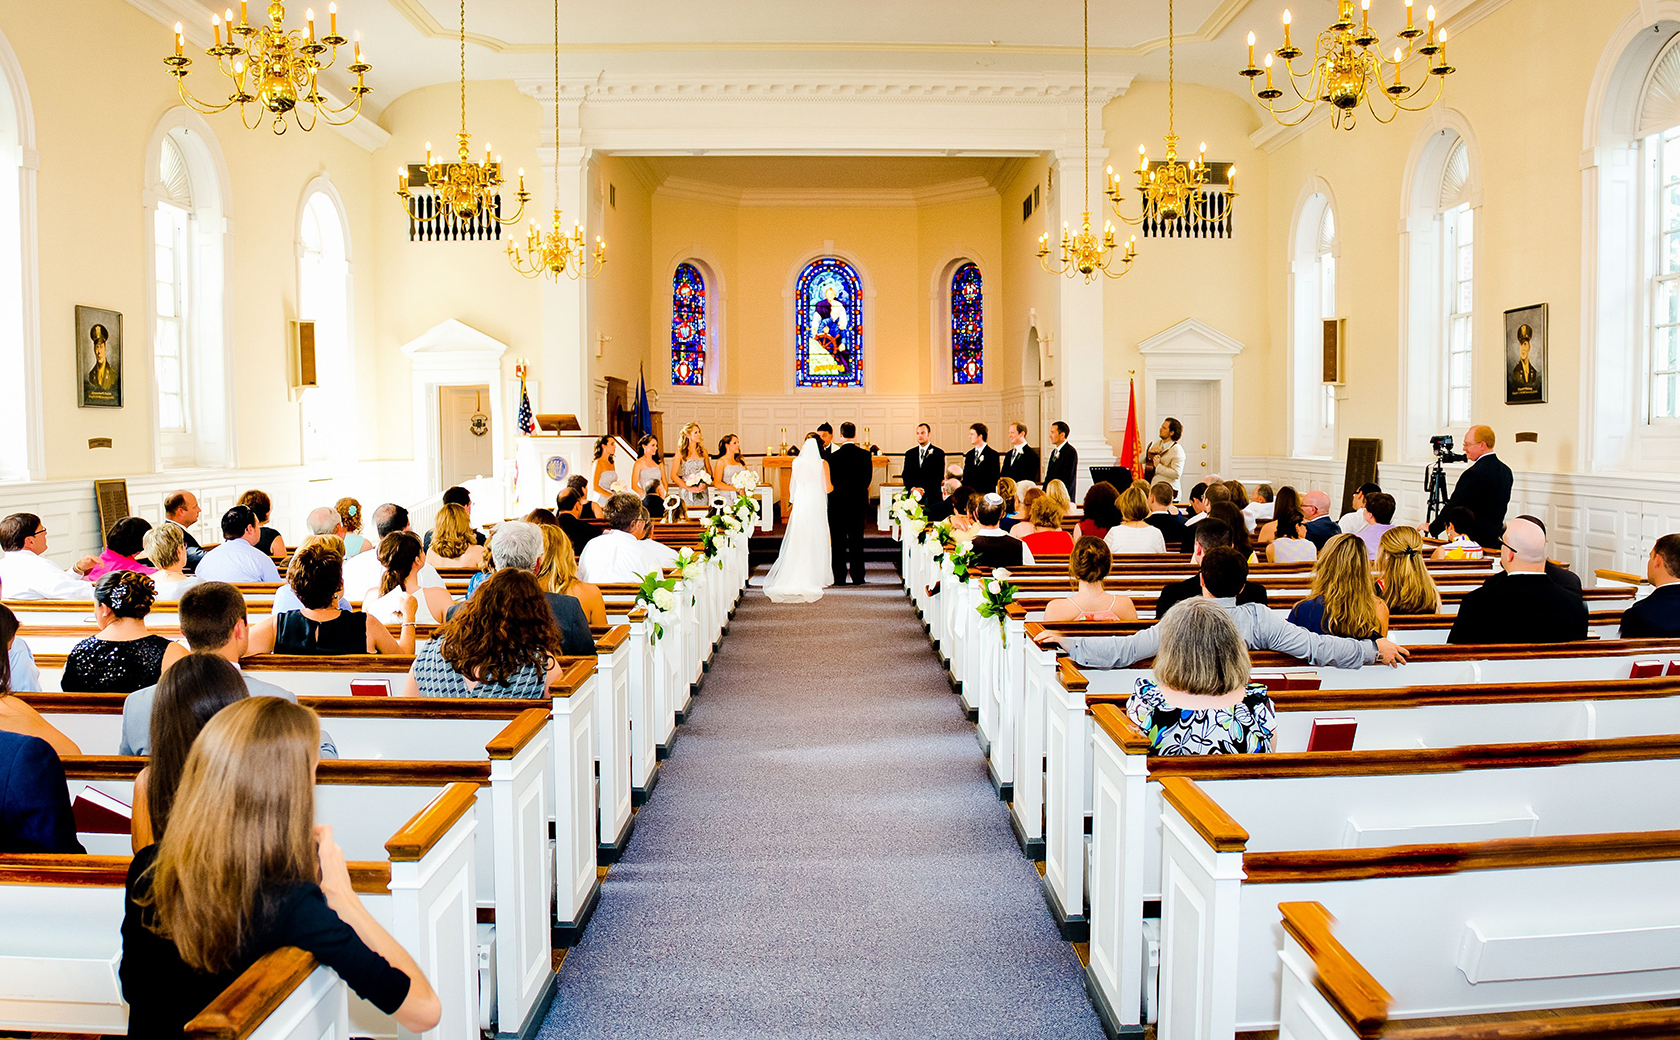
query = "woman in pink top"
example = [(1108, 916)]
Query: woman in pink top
[(1045, 535), (1089, 564), (122, 545)]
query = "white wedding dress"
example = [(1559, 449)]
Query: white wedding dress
[(805, 566)]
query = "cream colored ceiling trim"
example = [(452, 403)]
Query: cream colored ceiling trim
[(1271, 136), (963, 190), (809, 84), (423, 22)]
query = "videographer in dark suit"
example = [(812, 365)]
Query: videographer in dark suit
[(1063, 462), (1484, 489), (1020, 462), (924, 467)]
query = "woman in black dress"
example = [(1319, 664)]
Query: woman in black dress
[(242, 871), (268, 539), (124, 656), (188, 696), (316, 574)]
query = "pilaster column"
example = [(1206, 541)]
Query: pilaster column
[(1078, 364), (565, 361)]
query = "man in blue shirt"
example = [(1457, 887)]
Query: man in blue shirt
[(238, 559)]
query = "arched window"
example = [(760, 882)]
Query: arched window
[(1659, 121), (828, 329), (20, 392), (1313, 299), (1458, 268), (968, 326), (324, 299), (172, 240), (688, 326)]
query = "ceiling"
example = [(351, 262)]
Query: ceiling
[(824, 173)]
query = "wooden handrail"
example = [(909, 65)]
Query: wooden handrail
[(1606, 574), (1314, 865), (1618, 1024), (54, 702), (338, 772), (520, 732), (1072, 679), (429, 825), (1121, 729), (576, 671), (611, 638), (1399, 698), (56, 868), (1462, 652), (1214, 824), (238, 1010), (1396, 622), (1459, 758), (1354, 992)]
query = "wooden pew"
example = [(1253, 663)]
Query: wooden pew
[(285, 995)]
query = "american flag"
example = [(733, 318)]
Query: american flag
[(527, 422)]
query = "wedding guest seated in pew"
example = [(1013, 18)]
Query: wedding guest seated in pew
[(166, 547), (621, 555), (123, 545), (27, 573), (1198, 505), (559, 574), (1287, 500), (1222, 577), (518, 546), (1058, 493), (1101, 509), (1199, 701), (180, 510), (1353, 521), (1321, 526), (350, 519), (238, 559), (1379, 517), (996, 549), (1259, 507), (1008, 490), (542, 517), (1343, 599), (501, 643), (1289, 543), (1088, 564), (457, 496), (1456, 520), (1403, 576), (965, 502), (188, 696), (569, 515), (15, 715), (1558, 573), (1163, 519), (321, 627), (213, 621), (1044, 528), (1209, 535), (579, 483), (268, 542), (243, 871), (123, 656), (21, 674), (1522, 604), (365, 571), (404, 561), (1026, 495), (451, 544), (285, 597), (1659, 613), (35, 813), (1227, 513), (1134, 534)]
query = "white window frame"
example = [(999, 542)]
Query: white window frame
[(1660, 176), (21, 415), (1454, 320), (177, 287), (1313, 419), (333, 399)]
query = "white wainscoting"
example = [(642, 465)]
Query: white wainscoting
[(1592, 521), (71, 515)]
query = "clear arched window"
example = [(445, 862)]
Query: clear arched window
[(1327, 306), (1458, 268), (172, 241), (17, 303), (688, 326), (324, 300), (1659, 121), (968, 326), (1312, 280), (828, 329)]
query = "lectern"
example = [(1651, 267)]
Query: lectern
[(544, 460)]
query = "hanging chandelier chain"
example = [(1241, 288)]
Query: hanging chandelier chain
[(463, 70), (1172, 73), (1087, 102), (557, 104)]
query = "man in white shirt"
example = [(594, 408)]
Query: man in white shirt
[(1354, 522), (1259, 507), (622, 555), (181, 509), (363, 570), (238, 559), (28, 574)]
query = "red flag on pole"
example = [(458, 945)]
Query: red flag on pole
[(1131, 447)]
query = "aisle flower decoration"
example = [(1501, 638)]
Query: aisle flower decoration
[(660, 594), (688, 569), (962, 559), (996, 593)]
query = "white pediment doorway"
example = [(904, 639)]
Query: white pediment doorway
[(454, 354), (1189, 376)]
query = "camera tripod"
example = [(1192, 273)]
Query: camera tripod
[(1435, 485)]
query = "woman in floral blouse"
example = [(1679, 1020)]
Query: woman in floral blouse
[(1200, 701)]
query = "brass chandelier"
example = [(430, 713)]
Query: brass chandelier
[(463, 187), (1084, 254), (556, 253), (1171, 189), (276, 68), (1349, 70)]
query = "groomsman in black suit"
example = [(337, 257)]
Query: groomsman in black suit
[(850, 470), (924, 466), (825, 438), (1020, 462), (981, 466), (1063, 463)]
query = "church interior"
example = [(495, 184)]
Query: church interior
[(901, 410)]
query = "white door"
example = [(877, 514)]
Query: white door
[(1195, 404), (464, 441)]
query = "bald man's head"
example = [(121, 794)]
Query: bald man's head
[(1317, 503), (1526, 544)]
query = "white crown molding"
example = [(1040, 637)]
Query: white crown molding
[(1456, 16), (808, 84), (963, 190), (452, 342)]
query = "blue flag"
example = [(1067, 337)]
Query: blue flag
[(527, 421), (644, 414)]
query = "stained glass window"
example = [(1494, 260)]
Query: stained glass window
[(688, 327), (968, 326), (828, 334)]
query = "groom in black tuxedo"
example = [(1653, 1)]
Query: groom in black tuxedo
[(850, 470)]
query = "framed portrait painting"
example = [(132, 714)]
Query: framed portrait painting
[(99, 358), (1525, 355)]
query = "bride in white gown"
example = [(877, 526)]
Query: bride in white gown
[(804, 567)]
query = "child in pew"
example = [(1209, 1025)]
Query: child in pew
[(213, 620), (193, 690), (1402, 575), (503, 642), (1089, 564), (1200, 701), (321, 627), (1459, 546), (243, 871)]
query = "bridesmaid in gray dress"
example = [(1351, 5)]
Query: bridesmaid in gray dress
[(650, 475), (606, 470), (692, 473), (729, 463)]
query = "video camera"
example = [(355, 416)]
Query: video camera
[(1442, 446)]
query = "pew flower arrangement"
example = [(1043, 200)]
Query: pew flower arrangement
[(996, 593), (961, 559), (660, 594), (688, 569)]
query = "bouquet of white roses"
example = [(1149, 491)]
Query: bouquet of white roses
[(745, 481), (996, 593), (660, 594), (688, 569)]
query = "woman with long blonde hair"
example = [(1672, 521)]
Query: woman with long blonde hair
[(1404, 578), (559, 575), (241, 871), (1343, 600), (691, 467), (453, 543), (1058, 493)]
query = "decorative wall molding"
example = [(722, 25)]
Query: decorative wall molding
[(963, 190), (453, 353)]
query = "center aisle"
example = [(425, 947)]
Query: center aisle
[(823, 856)]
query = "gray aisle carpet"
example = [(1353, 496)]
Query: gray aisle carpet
[(823, 857)]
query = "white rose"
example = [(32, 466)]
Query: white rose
[(1000, 574), (992, 587), (664, 599), (618, 487)]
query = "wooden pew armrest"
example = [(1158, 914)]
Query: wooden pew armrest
[(1351, 990), (243, 1006), (429, 825)]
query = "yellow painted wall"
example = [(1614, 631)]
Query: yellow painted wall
[(1027, 287), (619, 296)]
